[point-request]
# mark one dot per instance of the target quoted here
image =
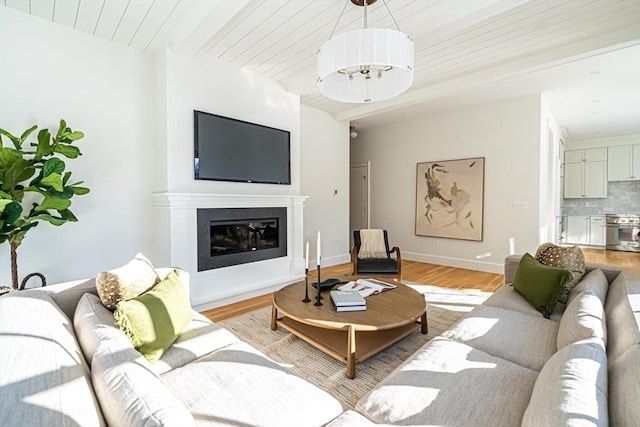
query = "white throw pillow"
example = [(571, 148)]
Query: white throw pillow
[(583, 318), (126, 282)]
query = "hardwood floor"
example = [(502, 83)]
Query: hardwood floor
[(432, 274)]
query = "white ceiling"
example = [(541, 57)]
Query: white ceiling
[(584, 55)]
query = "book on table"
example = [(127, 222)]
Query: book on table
[(348, 300), (366, 287)]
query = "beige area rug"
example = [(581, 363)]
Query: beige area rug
[(445, 307)]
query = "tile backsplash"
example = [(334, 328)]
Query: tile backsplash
[(622, 197)]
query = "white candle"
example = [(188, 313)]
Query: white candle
[(318, 251), (306, 257)]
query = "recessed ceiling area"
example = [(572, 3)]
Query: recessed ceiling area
[(583, 56)]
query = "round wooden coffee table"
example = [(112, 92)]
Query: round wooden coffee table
[(352, 336)]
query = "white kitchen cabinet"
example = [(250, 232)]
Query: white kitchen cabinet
[(587, 155), (623, 163), (597, 230), (585, 173), (578, 230), (585, 230)]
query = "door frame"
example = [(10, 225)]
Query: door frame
[(367, 204)]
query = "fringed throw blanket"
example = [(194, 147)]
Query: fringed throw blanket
[(372, 244)]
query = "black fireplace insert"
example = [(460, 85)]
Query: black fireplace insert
[(231, 236)]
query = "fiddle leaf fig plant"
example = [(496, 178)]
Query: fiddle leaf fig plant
[(34, 185)]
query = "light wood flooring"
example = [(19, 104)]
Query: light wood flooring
[(432, 274)]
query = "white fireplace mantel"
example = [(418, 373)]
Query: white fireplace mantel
[(175, 223)]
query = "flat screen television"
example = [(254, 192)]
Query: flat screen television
[(228, 149)]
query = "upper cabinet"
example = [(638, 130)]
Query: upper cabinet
[(624, 163), (585, 173)]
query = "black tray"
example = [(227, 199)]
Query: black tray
[(326, 284)]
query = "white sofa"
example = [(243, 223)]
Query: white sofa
[(63, 363), (504, 364)]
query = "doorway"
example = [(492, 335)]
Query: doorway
[(358, 197)]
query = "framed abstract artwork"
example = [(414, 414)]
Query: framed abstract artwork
[(450, 199)]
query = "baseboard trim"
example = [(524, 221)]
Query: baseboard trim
[(489, 267)]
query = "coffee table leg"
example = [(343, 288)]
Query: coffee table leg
[(274, 317), (423, 321), (351, 352)]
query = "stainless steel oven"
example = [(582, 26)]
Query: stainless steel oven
[(623, 232)]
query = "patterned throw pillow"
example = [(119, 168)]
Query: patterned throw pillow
[(569, 258), (126, 282)]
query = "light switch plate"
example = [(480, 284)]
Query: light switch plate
[(519, 206)]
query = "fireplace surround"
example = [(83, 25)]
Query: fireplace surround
[(232, 236)]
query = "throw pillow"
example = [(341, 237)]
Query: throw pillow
[(539, 284), (569, 258), (156, 318), (126, 282), (582, 319)]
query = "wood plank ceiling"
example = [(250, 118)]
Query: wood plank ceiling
[(454, 39)]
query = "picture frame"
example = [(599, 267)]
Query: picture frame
[(450, 199)]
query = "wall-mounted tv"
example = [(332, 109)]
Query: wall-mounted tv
[(228, 149)]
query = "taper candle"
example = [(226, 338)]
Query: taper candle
[(306, 257), (318, 251)]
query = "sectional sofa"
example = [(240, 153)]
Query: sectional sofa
[(504, 364), (63, 363)]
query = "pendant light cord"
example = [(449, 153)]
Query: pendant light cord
[(391, 14), (338, 21)]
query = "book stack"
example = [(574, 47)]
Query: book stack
[(348, 301)]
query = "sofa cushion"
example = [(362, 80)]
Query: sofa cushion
[(44, 380), (441, 384), (624, 389), (619, 312), (541, 285), (526, 340), (154, 320), (89, 321), (507, 297), (571, 389), (200, 337), (583, 319), (126, 282), (238, 385), (594, 282), (568, 258), (130, 393), (377, 265)]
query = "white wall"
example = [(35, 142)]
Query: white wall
[(506, 133), (48, 72), (325, 179), (200, 83)]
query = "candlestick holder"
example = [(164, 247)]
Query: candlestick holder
[(318, 297), (306, 286)]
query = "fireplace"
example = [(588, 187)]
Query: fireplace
[(232, 236)]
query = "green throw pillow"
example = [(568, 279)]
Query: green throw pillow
[(154, 320), (541, 285)]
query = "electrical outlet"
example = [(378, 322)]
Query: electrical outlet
[(519, 206)]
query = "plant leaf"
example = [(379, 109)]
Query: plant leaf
[(68, 151), (44, 144), (68, 215), (4, 203), (52, 203), (49, 218), (80, 191), (11, 212), (66, 177), (53, 180), (12, 138), (52, 165)]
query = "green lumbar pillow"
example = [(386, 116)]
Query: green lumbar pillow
[(154, 320), (541, 285)]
